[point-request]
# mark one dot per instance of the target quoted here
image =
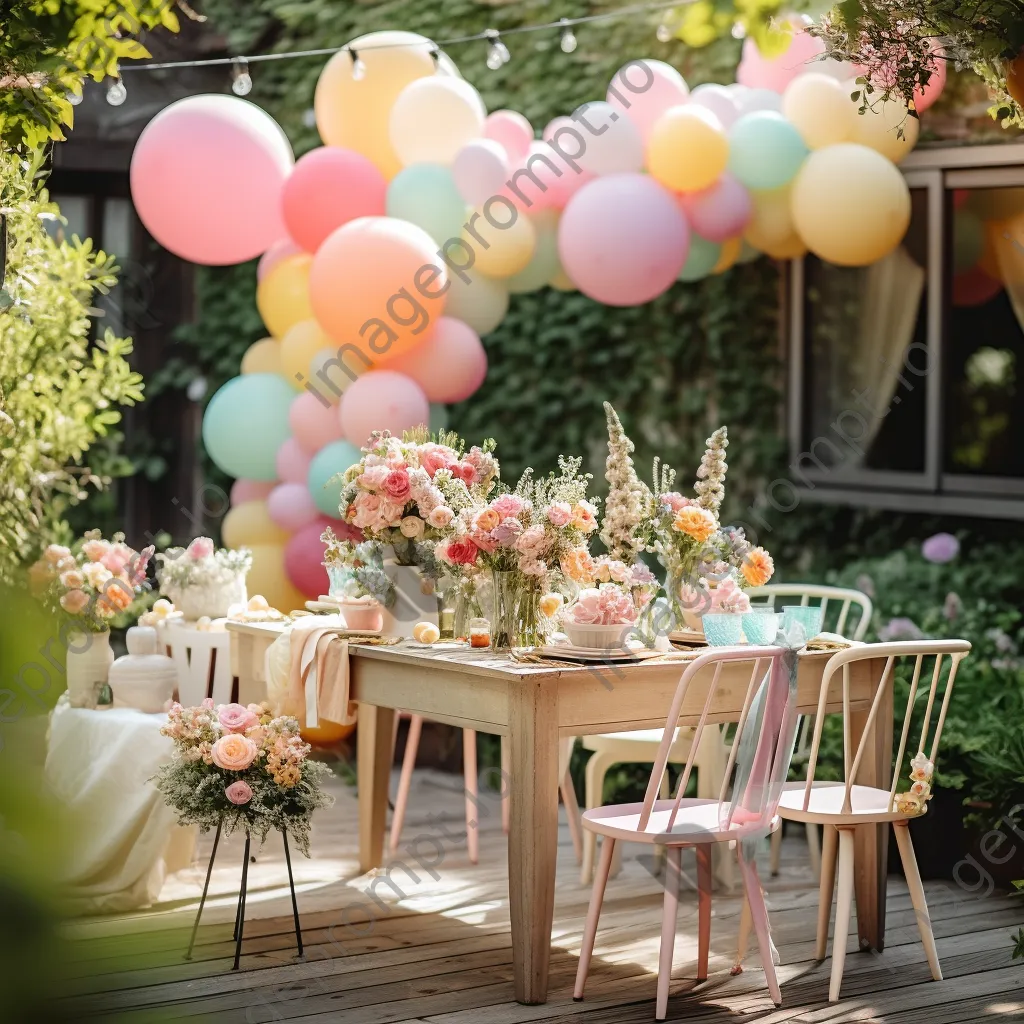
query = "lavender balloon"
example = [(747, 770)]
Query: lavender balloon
[(719, 212)]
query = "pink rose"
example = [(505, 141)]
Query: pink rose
[(674, 500), (465, 471), (462, 552), (433, 458), (559, 514), (440, 517), (94, 550), (532, 541), (115, 561), (74, 601), (201, 547), (234, 752), (239, 792), (207, 702), (532, 567), (484, 541), (236, 718), (507, 532), (507, 505), (396, 486)]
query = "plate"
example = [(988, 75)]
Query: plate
[(570, 653), (687, 636)]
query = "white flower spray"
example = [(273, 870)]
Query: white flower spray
[(629, 499), (710, 486)]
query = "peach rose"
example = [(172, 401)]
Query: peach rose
[(440, 517), (94, 550), (56, 553), (486, 520), (72, 579), (757, 567), (412, 527), (695, 522), (234, 752), (74, 601)]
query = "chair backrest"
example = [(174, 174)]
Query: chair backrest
[(913, 740), (841, 598), (203, 661), (764, 738)]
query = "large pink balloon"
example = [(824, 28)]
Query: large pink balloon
[(719, 212), (206, 178), (250, 490), (512, 131), (480, 170), (644, 90), (280, 250), (292, 462), (381, 400), (623, 239), (303, 560), (775, 73), (291, 507), (329, 187), (314, 422), (450, 365), (555, 167)]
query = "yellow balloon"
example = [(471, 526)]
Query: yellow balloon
[(298, 347), (353, 112), (267, 577), (729, 255), (249, 523), (688, 149), (500, 251), (770, 228), (879, 126), (282, 297), (562, 282), (433, 118), (820, 109), (850, 205), (263, 356)]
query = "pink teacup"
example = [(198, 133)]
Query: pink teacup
[(363, 615)]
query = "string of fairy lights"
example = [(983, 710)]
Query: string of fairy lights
[(498, 53)]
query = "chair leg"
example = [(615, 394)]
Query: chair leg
[(664, 792), (412, 744), (826, 888), (913, 876), (814, 849), (759, 916), (844, 903), (593, 916), (572, 813), (704, 884), (506, 768), (596, 769), (669, 913), (776, 850), (743, 936), (472, 795)]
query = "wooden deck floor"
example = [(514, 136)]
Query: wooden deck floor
[(438, 950)]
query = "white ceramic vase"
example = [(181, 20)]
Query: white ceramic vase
[(88, 665), (143, 679), (211, 599), (415, 599)]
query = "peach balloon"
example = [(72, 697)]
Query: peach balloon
[(292, 462), (291, 507), (262, 356), (510, 130), (298, 347), (771, 226), (206, 179), (450, 366), (353, 112), (282, 297), (644, 90), (881, 125), (281, 249), (249, 523), (433, 118), (313, 423), (327, 188), (378, 285), (250, 490), (819, 108), (382, 400), (688, 149)]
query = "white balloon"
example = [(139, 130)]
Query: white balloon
[(613, 142), (480, 169), (719, 101), (433, 118), (759, 99), (840, 70)]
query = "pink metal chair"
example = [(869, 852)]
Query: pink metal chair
[(760, 756)]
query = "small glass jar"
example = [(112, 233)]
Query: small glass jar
[(479, 632)]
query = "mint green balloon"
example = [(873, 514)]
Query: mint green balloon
[(332, 459), (544, 263), (245, 423), (425, 195), (701, 259), (765, 150), (482, 303)]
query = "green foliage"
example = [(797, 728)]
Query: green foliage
[(47, 48), (58, 393)]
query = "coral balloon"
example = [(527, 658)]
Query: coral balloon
[(292, 462), (757, 71), (819, 108), (262, 356), (924, 98), (614, 146), (850, 205), (314, 424), (882, 123), (482, 303), (382, 400), (299, 345), (480, 170), (267, 577), (353, 112), (333, 459), (511, 131), (719, 212), (504, 242), (377, 286), (450, 366), (644, 90), (426, 195), (282, 297), (303, 560), (622, 239), (688, 149), (329, 187), (765, 150), (281, 249), (771, 227), (544, 264), (250, 490), (291, 506), (701, 260), (245, 423), (719, 101), (206, 179), (433, 118), (248, 524)]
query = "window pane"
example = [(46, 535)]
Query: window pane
[(116, 241), (984, 418), (76, 210), (865, 331)]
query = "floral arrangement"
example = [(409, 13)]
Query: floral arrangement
[(94, 582), (915, 800), (356, 571), (637, 579), (629, 499), (240, 767), (200, 565), (604, 605), (406, 491)]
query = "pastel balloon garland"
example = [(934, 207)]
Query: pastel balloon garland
[(388, 252)]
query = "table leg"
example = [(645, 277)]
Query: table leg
[(871, 842), (374, 774), (533, 833)]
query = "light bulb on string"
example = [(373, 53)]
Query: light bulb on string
[(497, 54), (358, 65), (664, 33), (74, 98), (435, 56), (116, 92), (568, 42), (738, 30), (241, 80)]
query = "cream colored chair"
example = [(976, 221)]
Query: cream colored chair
[(837, 601)]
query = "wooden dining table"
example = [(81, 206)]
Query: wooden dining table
[(534, 706)]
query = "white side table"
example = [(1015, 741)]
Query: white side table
[(203, 660)]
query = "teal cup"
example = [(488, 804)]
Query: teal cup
[(760, 627), (806, 615), (723, 629)]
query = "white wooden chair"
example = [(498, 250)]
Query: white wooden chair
[(833, 600), (761, 756), (841, 806), (203, 662)]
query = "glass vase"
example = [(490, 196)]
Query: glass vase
[(515, 616)]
